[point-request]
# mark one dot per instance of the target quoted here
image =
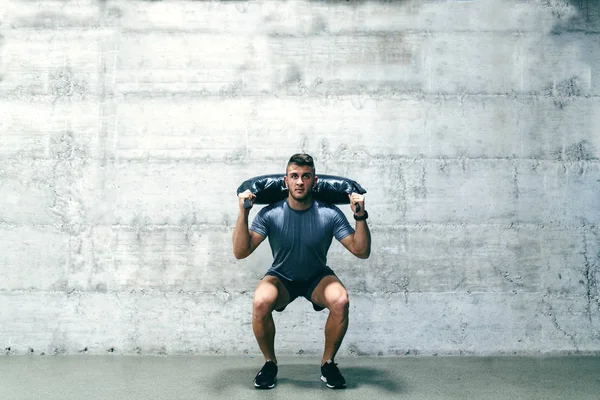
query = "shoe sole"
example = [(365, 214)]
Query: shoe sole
[(257, 386), (332, 386)]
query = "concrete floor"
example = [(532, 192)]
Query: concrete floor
[(133, 378)]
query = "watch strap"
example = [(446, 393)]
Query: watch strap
[(363, 217)]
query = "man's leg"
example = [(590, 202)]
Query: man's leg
[(270, 294), (331, 294)]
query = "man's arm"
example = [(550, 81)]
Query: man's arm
[(358, 243), (244, 240)]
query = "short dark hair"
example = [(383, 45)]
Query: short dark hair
[(301, 160)]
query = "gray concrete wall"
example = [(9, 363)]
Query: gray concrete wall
[(126, 127)]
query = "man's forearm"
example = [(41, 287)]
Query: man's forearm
[(362, 238), (241, 236)]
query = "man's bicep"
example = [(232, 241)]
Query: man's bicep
[(255, 240), (348, 243)]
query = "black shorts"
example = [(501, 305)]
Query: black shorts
[(302, 288)]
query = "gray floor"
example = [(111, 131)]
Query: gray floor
[(133, 378)]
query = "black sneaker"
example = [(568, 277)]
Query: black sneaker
[(331, 375), (266, 377)]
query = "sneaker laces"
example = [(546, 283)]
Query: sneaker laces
[(269, 369), (331, 367)]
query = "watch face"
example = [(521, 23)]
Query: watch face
[(365, 216)]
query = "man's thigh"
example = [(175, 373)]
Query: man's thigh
[(329, 290), (272, 290)]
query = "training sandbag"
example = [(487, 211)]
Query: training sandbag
[(330, 189)]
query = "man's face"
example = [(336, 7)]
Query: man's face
[(300, 181)]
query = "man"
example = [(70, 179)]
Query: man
[(300, 231)]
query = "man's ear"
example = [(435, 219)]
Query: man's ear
[(285, 183), (315, 182)]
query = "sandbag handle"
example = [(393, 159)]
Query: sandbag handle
[(247, 204)]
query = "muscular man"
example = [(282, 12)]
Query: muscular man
[(300, 230)]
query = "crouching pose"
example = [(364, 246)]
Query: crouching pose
[(300, 231)]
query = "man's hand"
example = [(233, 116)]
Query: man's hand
[(242, 197), (359, 199)]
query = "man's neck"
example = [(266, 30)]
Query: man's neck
[(300, 205)]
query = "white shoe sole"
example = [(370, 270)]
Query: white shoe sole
[(331, 386), (256, 385)]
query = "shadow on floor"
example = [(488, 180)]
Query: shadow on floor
[(307, 376)]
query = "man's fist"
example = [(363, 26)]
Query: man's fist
[(357, 199), (246, 200)]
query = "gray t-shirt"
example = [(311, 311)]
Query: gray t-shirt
[(300, 239)]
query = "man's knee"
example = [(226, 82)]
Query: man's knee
[(262, 305), (340, 304), (265, 298)]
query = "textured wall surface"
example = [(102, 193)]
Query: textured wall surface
[(126, 126)]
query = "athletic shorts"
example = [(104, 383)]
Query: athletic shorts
[(303, 288)]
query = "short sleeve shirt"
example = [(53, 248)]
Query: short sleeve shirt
[(300, 240)]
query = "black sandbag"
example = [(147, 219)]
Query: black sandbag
[(330, 189)]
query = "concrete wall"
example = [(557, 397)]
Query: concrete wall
[(126, 127)]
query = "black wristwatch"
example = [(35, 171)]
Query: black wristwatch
[(365, 216)]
